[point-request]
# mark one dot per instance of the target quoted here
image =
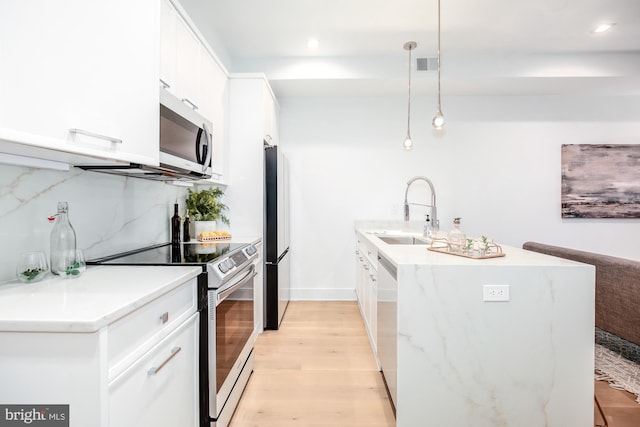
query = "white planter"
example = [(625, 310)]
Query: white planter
[(200, 226)]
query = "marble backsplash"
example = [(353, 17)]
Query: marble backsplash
[(109, 213)]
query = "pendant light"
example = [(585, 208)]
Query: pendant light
[(438, 120), (408, 144)]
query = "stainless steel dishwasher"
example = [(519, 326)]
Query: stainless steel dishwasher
[(388, 324)]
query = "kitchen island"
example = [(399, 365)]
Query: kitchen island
[(464, 361)]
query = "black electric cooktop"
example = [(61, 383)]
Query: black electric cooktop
[(197, 253)]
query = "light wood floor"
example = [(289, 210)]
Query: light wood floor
[(620, 407), (318, 370)]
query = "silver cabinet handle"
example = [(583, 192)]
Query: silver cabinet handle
[(187, 101), (164, 84), (95, 135), (174, 351), (164, 318)]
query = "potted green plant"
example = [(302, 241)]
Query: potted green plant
[(205, 209)]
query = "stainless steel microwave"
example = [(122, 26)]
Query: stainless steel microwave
[(186, 146), (185, 137)]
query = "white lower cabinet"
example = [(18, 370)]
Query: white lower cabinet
[(367, 288), (258, 295), (139, 370), (160, 388)]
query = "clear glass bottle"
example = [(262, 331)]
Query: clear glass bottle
[(428, 228), (63, 241), (456, 236)]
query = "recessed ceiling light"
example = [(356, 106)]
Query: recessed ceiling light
[(603, 27), (313, 43)]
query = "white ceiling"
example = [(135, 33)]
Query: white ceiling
[(500, 47)]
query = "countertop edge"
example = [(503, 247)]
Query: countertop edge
[(94, 324)]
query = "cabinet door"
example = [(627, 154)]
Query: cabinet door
[(168, 46), (161, 388), (86, 65), (359, 275), (270, 117), (373, 306), (187, 65), (258, 297), (214, 91)]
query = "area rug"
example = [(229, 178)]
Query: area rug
[(620, 373)]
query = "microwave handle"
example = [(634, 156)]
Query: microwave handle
[(208, 148)]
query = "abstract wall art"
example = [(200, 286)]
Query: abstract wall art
[(601, 181)]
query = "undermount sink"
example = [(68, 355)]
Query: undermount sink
[(403, 240)]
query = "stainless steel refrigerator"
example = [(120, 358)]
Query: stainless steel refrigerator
[(277, 288)]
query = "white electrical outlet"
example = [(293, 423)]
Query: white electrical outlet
[(495, 293)]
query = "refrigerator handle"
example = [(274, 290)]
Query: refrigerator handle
[(286, 251)]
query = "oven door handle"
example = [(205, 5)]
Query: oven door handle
[(231, 289)]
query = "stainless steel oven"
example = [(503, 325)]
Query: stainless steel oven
[(231, 337), (226, 289)]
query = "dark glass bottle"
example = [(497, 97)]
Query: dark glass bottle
[(175, 225), (186, 234)]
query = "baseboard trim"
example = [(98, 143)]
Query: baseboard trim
[(325, 294)]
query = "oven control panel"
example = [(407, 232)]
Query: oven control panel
[(236, 260)]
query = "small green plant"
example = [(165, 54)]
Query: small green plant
[(31, 273), (205, 205), (73, 270), (485, 243), (469, 244)]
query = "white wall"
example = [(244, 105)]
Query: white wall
[(497, 166), (110, 214)]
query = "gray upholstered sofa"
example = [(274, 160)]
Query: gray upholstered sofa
[(617, 302)]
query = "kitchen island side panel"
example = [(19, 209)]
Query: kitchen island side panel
[(525, 362)]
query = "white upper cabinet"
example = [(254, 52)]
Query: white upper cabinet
[(190, 71), (80, 77), (214, 89), (187, 66), (271, 114), (168, 46), (179, 56)]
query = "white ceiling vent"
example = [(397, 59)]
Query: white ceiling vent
[(426, 64)]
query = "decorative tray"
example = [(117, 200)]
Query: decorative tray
[(213, 237), (483, 250)]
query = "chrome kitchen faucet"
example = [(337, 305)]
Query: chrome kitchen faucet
[(434, 211)]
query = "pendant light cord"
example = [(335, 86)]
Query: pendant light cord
[(439, 105), (409, 96), (407, 141)]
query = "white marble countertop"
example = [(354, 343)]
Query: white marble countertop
[(85, 304), (400, 254)]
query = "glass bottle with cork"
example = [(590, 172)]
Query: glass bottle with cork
[(456, 237), (63, 241)]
